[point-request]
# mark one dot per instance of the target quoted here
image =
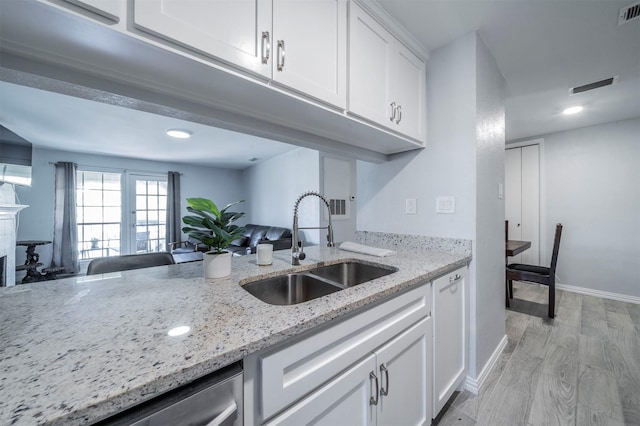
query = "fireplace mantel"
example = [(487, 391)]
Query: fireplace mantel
[(11, 209)]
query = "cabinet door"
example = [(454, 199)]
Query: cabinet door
[(310, 48), (231, 30), (370, 59), (345, 400), (404, 370), (409, 92), (109, 9), (449, 336)]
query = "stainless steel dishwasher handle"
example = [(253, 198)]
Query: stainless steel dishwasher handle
[(226, 413)]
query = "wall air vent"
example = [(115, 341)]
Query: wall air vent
[(594, 85), (338, 207), (629, 13)]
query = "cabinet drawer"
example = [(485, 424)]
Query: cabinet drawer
[(292, 372)]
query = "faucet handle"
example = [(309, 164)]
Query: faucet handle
[(301, 254)]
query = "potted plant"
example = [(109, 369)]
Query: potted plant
[(213, 227)]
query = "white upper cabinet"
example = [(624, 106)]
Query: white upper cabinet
[(236, 31), (387, 82), (370, 60), (410, 93), (109, 9), (310, 48), (298, 44)]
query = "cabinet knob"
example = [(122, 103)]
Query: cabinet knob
[(266, 46), (454, 279)]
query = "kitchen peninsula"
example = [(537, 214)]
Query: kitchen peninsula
[(77, 350)]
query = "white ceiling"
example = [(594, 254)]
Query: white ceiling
[(61, 122), (542, 47)]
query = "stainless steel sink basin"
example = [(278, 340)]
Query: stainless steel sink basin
[(290, 289), (349, 274)]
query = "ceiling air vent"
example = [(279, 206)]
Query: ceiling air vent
[(594, 85), (629, 13)]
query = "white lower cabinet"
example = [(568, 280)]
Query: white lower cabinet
[(372, 368), (345, 400), (388, 387), (405, 379), (449, 336)]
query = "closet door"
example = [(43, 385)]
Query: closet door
[(522, 200)]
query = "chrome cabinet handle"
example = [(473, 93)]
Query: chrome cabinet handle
[(226, 413), (281, 54), (266, 46), (372, 400), (454, 279), (383, 391), (399, 114), (393, 111)]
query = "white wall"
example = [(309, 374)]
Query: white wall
[(272, 187), (335, 183), (592, 187), (36, 222), (464, 158), (489, 245)]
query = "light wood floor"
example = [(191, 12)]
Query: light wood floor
[(582, 368)]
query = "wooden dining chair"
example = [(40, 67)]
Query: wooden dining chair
[(538, 274)]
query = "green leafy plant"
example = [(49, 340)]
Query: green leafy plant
[(210, 225)]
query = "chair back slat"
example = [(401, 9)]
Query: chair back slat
[(556, 249)]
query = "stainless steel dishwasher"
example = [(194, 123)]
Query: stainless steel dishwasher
[(214, 400)]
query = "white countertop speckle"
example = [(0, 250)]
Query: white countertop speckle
[(77, 350)]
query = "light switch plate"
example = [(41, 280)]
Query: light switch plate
[(446, 205), (411, 206)]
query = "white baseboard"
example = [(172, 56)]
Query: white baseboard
[(474, 385), (599, 293)]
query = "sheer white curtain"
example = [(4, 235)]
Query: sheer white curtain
[(174, 221), (65, 232)]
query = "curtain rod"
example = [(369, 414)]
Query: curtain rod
[(114, 168)]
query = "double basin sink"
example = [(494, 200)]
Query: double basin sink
[(294, 288)]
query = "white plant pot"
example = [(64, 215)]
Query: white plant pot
[(217, 265)]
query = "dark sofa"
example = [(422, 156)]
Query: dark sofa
[(253, 235)]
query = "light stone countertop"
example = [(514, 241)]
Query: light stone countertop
[(77, 350)]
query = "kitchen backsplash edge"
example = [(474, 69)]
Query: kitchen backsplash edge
[(421, 242)]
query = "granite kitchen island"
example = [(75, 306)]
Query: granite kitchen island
[(77, 350)]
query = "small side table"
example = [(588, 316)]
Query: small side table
[(32, 263)]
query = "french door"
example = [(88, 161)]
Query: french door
[(148, 208)]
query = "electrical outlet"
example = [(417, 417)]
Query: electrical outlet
[(410, 206), (446, 205)]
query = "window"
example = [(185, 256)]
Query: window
[(99, 213), (120, 213), (150, 213)]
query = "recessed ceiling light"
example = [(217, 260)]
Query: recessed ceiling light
[(179, 133), (572, 110)]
